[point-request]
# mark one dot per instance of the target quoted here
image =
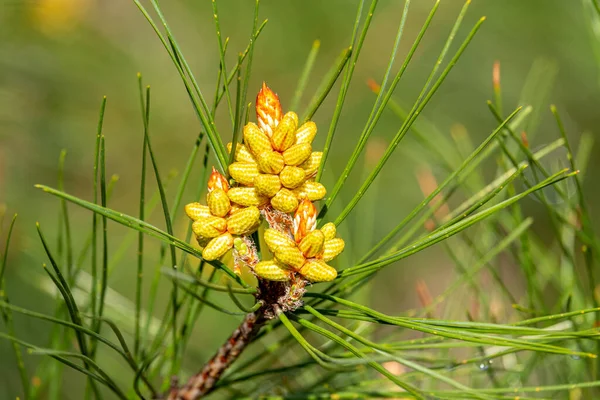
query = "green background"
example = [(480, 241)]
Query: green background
[(59, 57)]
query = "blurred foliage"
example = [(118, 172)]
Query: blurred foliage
[(59, 57)]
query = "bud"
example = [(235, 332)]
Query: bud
[(272, 270), (267, 185), (292, 177), (243, 172), (312, 191), (242, 154), (268, 110), (329, 230), (312, 244), (196, 211), (297, 154), (216, 180), (256, 140), (246, 196), (217, 247), (306, 133), (218, 202), (284, 201), (291, 256), (276, 240), (209, 227), (311, 165), (318, 271), (332, 248), (270, 162), (244, 222), (284, 135), (305, 219)]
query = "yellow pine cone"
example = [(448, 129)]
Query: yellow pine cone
[(285, 201), (312, 244), (311, 165), (196, 211), (329, 230), (292, 177), (242, 154), (332, 248), (244, 222), (297, 154), (267, 185), (268, 109), (209, 227), (218, 202), (317, 271), (284, 135), (312, 191), (270, 162), (306, 133), (244, 172), (246, 196), (291, 256), (272, 270), (217, 247), (256, 140), (276, 240)]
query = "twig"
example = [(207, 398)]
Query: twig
[(204, 381)]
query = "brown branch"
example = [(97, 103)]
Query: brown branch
[(204, 381), (276, 297)]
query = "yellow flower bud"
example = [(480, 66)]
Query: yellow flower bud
[(306, 133), (297, 154), (244, 222), (312, 244), (318, 271), (240, 246), (196, 210), (332, 248), (292, 177), (276, 240), (268, 109), (209, 227), (291, 256), (267, 185), (285, 201), (242, 154), (270, 162), (311, 165), (244, 173), (329, 230), (218, 202), (217, 247), (256, 140), (246, 196), (284, 135), (311, 190), (272, 270)]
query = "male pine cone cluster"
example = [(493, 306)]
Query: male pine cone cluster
[(274, 169)]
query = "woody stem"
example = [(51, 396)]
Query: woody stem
[(204, 381)]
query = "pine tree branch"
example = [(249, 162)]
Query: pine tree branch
[(204, 381)]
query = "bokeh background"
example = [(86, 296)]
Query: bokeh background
[(59, 57)]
